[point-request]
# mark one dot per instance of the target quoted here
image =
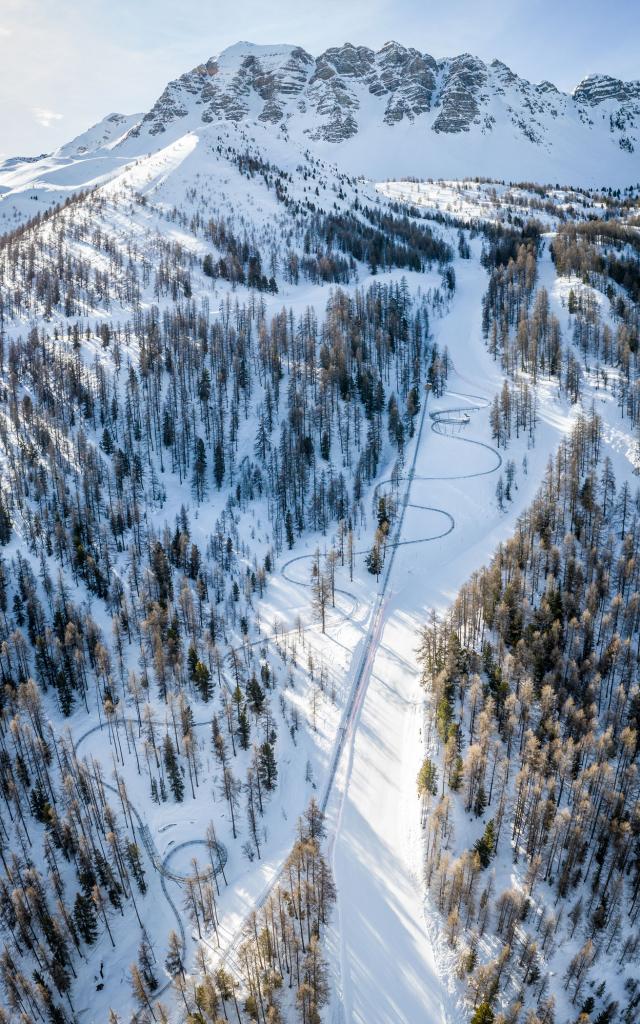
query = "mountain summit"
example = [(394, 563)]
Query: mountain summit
[(398, 110), (395, 112)]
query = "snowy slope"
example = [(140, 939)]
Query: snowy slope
[(103, 135), (28, 187), (159, 200), (385, 114), (160, 178), (376, 836), (398, 112)]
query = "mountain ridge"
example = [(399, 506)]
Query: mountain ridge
[(413, 82), (382, 114)]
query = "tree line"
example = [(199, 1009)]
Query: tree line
[(533, 733)]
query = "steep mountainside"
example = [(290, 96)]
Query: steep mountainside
[(352, 90), (389, 113), (260, 418)]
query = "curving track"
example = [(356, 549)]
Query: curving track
[(161, 863), (452, 417), (444, 422)]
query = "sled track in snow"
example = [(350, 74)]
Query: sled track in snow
[(161, 863), (144, 832), (453, 416), (448, 416)]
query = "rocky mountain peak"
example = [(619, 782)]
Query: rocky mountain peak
[(352, 91), (595, 89), (464, 79)]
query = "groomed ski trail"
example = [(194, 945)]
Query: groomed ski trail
[(390, 991), (453, 416)]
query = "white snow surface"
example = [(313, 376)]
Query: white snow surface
[(509, 128), (388, 962)]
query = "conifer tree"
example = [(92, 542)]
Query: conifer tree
[(485, 846), (173, 960), (483, 1014), (84, 914), (267, 766), (173, 769)]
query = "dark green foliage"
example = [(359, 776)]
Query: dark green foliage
[(199, 470), (218, 464), (374, 560), (455, 780), (173, 769), (483, 1014), (106, 443), (386, 240), (444, 712), (608, 1015), (255, 694), (244, 729), (135, 863), (84, 913), (199, 674), (267, 766), (161, 569), (325, 446), (486, 844), (480, 801), (288, 526), (40, 806), (428, 778)]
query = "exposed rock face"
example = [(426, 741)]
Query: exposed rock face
[(272, 78), (622, 100), (597, 89), (462, 91), (409, 78), (331, 90), (348, 89), (171, 104)]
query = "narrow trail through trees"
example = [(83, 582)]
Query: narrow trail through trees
[(443, 422), (452, 417)]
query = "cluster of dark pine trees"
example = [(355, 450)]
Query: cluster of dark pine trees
[(93, 459)]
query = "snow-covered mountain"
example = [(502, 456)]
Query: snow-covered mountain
[(386, 114), (101, 136), (353, 92), (260, 419), (30, 185), (398, 111)]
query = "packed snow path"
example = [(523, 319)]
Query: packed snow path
[(161, 864), (387, 972), (378, 865)]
